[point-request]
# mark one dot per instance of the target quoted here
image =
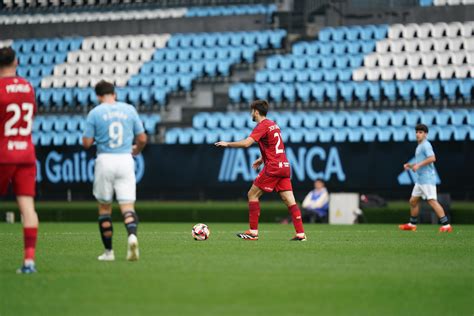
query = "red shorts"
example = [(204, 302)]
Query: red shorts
[(21, 176), (269, 184)]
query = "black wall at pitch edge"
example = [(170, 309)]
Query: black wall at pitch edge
[(206, 172)]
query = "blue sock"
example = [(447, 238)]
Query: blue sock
[(413, 220), (444, 220)]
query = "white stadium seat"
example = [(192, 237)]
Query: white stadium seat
[(409, 30), (453, 29), (373, 74), (455, 43), (454, 2), (431, 72), (457, 58), (414, 59), (423, 30), (401, 73), (395, 31), (384, 60), (439, 2), (428, 59), (446, 72), (399, 59), (411, 45), (468, 43), (442, 58), (466, 28), (461, 71), (416, 73), (359, 74), (396, 46), (438, 29), (382, 46), (426, 45), (370, 60), (387, 73), (441, 44)]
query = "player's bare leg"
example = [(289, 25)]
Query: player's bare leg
[(106, 231), (130, 219), (253, 196), (414, 212), (26, 205), (289, 199), (438, 209)]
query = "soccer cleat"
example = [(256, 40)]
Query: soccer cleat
[(108, 255), (407, 227), (446, 229), (298, 238), (247, 235), (132, 252), (27, 268)]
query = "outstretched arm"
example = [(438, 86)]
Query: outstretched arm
[(240, 144)]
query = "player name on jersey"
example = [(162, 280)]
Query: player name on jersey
[(18, 88)]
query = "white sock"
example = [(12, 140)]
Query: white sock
[(254, 231)]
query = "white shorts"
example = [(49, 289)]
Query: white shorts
[(114, 173), (426, 191)]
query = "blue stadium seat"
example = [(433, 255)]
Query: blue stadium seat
[(276, 92), (413, 117), (369, 134), (346, 89), (450, 87), (428, 117), (341, 134), (389, 90), (420, 89), (248, 92), (235, 92), (355, 134), (325, 135), (374, 90), (354, 118), (446, 133), (318, 91), (434, 89), (328, 62), (325, 34), (296, 135), (465, 88), (248, 53), (311, 136), (354, 47), (361, 90), (397, 117), (159, 95), (342, 61), (324, 119), (461, 133), (213, 120), (303, 91), (275, 76), (331, 91), (314, 62), (399, 134), (59, 124), (458, 116), (310, 120), (316, 75), (382, 118), (46, 138), (289, 93), (289, 76), (443, 117), (380, 32), (353, 33), (262, 91), (338, 119), (369, 119), (339, 48), (59, 139), (405, 89), (356, 60), (325, 48), (72, 123), (384, 134), (368, 47), (303, 75), (329, 75)]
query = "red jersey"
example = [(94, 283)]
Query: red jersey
[(268, 135), (17, 108)]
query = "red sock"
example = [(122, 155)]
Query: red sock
[(296, 218), (254, 214), (29, 235)]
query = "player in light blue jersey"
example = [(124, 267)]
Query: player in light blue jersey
[(425, 184), (114, 126)]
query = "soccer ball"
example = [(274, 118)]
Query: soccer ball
[(200, 232)]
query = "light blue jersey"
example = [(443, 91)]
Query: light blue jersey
[(114, 127), (426, 174)]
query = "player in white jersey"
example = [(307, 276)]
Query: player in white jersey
[(114, 126)]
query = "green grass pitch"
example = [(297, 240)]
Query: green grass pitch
[(340, 270)]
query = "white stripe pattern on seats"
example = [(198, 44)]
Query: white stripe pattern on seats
[(115, 59)]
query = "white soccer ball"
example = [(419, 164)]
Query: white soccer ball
[(200, 232)]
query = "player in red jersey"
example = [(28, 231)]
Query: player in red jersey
[(17, 152), (275, 175)]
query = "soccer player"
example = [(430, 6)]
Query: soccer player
[(425, 185), (275, 174), (114, 126), (17, 152)]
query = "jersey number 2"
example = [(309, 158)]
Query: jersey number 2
[(115, 134), (277, 149), (27, 117)]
